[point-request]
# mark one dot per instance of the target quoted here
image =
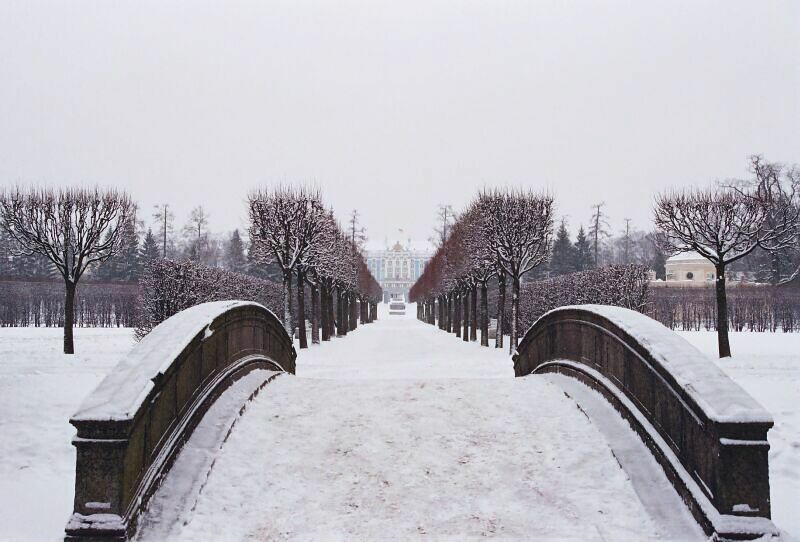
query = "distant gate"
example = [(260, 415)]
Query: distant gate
[(707, 433), (131, 428)]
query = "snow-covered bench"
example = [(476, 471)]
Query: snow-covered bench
[(708, 434), (132, 426)]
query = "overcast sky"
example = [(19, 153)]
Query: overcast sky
[(394, 107)]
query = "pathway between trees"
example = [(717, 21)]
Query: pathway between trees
[(401, 430)]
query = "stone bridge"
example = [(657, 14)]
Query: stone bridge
[(131, 428), (707, 434)]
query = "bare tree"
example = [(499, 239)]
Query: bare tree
[(358, 233), (445, 217), (520, 226), (164, 217), (282, 227), (777, 188), (598, 230), (73, 228), (482, 262), (723, 225), (196, 234)]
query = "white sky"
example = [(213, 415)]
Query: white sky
[(394, 107)]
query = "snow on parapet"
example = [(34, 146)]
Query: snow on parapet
[(713, 391), (119, 395)]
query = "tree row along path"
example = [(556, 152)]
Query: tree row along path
[(403, 431)]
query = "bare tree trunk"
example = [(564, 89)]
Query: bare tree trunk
[(465, 312), (484, 316), (450, 315), (473, 327), (340, 328), (326, 336), (514, 314), (331, 312), (722, 314), (301, 309), (287, 302), (69, 317), (501, 309), (457, 315), (314, 314), (353, 313), (345, 313)]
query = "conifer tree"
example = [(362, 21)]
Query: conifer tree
[(583, 251), (235, 259), (149, 250), (564, 256)]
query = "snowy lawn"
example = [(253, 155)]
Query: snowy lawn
[(397, 430), (40, 388)]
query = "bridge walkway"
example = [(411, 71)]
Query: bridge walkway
[(401, 430)]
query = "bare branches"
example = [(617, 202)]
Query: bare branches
[(720, 224), (291, 227), (73, 228), (501, 233), (726, 223)]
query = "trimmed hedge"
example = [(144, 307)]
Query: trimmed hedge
[(617, 285), (167, 287)]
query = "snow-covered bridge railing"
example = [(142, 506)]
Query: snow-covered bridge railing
[(707, 433), (132, 426)]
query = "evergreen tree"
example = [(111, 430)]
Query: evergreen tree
[(235, 259), (564, 256), (150, 249), (659, 265), (15, 263), (583, 252), (124, 265)]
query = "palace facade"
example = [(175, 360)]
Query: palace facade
[(396, 269)]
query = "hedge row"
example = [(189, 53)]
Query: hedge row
[(168, 287)]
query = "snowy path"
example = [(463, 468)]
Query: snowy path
[(401, 431)]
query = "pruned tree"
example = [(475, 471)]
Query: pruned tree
[(520, 226), (482, 261), (723, 225), (283, 225), (74, 228)]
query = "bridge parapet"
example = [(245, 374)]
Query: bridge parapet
[(708, 434), (132, 426)]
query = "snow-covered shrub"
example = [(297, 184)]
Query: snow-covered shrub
[(167, 287), (617, 285)]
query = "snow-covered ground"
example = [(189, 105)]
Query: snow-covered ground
[(40, 388), (397, 430)]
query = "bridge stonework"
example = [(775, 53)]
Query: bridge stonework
[(707, 433), (131, 428)]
